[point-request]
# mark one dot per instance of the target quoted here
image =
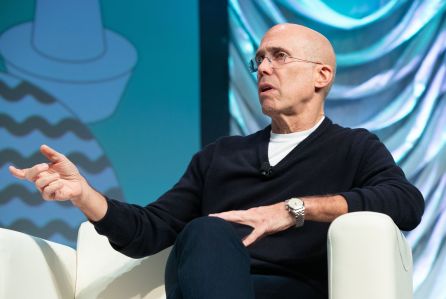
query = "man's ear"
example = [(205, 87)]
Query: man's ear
[(324, 76)]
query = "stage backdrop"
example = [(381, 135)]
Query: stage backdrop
[(390, 80), (114, 85)]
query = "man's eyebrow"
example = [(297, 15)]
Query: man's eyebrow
[(271, 50)]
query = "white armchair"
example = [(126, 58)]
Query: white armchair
[(368, 258)]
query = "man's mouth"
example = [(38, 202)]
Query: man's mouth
[(265, 87)]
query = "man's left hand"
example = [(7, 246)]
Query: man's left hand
[(266, 220)]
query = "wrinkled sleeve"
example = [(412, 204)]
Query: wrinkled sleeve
[(141, 231), (381, 186)]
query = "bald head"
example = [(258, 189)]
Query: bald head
[(314, 45), (303, 43)]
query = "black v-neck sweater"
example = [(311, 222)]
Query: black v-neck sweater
[(226, 176)]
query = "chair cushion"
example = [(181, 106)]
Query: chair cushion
[(102, 272)]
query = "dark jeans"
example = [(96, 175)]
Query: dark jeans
[(209, 261)]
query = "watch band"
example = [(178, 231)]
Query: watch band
[(296, 208)]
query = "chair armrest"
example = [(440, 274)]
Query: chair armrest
[(368, 257), (31, 267), (105, 273)]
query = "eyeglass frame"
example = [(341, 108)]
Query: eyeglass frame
[(253, 65)]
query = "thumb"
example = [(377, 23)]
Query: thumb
[(51, 154)]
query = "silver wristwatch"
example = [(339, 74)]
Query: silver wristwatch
[(297, 209)]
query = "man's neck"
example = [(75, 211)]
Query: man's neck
[(290, 124)]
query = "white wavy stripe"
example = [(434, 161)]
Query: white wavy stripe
[(67, 143), (28, 107)]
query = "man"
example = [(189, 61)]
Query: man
[(271, 195)]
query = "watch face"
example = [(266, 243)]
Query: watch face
[(295, 203)]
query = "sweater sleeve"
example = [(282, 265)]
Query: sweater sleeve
[(141, 231), (381, 186)]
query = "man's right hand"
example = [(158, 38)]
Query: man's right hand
[(60, 180)]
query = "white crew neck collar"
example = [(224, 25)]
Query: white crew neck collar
[(275, 137)]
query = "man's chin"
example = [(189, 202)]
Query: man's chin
[(268, 110)]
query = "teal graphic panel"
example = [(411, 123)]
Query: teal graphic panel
[(113, 86)]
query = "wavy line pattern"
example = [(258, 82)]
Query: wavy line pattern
[(26, 145), (30, 117), (28, 106), (103, 181), (23, 89), (46, 232), (38, 123), (16, 208), (92, 166), (33, 198)]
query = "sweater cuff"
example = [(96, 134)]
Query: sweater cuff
[(354, 201), (110, 225)]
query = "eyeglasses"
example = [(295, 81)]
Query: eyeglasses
[(276, 61)]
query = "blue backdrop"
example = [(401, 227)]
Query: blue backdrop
[(113, 85), (390, 80)]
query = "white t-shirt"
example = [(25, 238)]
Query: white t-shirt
[(281, 145)]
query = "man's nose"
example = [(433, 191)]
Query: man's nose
[(265, 67)]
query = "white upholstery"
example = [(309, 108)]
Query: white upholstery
[(34, 268), (368, 258), (31, 267), (103, 272)]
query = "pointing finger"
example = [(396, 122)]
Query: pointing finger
[(18, 173), (51, 154)]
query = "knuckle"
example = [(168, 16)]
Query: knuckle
[(261, 231), (38, 184), (45, 196)]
